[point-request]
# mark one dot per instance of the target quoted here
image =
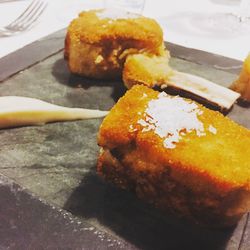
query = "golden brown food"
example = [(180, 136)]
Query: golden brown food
[(98, 41), (154, 70), (110, 44), (178, 155), (242, 84), (146, 69)]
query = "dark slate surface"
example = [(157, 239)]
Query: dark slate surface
[(43, 48), (205, 58), (245, 241), (30, 223), (56, 162), (31, 54)]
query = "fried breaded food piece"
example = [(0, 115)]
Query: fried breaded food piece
[(146, 69), (178, 155), (242, 84), (98, 41)]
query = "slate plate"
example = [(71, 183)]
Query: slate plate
[(56, 163), (30, 223)]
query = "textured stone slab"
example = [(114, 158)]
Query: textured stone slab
[(57, 161), (51, 44), (31, 54), (28, 222), (245, 241)]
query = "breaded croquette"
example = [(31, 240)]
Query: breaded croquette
[(115, 44), (178, 155), (242, 84), (146, 69), (98, 41)]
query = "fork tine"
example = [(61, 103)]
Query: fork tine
[(32, 17), (35, 17), (26, 12), (26, 19)]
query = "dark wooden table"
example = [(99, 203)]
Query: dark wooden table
[(50, 195)]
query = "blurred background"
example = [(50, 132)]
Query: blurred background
[(217, 26)]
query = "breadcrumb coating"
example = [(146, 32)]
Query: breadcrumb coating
[(205, 177), (97, 42), (242, 84), (147, 69)]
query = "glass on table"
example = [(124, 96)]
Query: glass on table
[(67, 10), (134, 6), (228, 24), (229, 21)]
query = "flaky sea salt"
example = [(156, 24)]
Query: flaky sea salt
[(171, 118), (212, 129), (116, 14)]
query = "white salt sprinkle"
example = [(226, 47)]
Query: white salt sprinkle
[(171, 118), (212, 129)]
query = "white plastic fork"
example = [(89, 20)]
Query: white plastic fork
[(25, 20)]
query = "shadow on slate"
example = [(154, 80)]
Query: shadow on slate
[(27, 222), (139, 223), (245, 242), (61, 73)]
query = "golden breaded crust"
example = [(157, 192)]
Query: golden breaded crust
[(206, 177), (137, 31), (242, 84), (97, 43), (146, 69)]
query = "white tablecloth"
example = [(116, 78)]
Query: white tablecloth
[(172, 15)]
